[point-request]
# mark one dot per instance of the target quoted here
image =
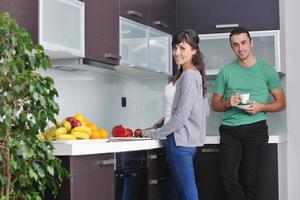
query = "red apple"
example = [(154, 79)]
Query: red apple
[(70, 119), (137, 132), (75, 123)]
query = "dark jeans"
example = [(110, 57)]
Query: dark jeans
[(242, 153), (180, 161)]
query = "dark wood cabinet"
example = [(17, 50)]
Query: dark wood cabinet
[(157, 175), (162, 15), (135, 10), (209, 183), (204, 15), (102, 31), (26, 14), (159, 14), (92, 177)]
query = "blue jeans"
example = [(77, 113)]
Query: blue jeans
[(180, 160)]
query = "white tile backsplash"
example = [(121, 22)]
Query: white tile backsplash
[(98, 96)]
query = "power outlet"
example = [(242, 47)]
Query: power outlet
[(123, 102)]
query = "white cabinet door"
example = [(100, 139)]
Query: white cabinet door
[(217, 51), (61, 28), (144, 47), (159, 51), (133, 44)]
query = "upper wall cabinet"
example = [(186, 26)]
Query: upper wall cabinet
[(26, 14), (144, 47), (217, 51), (159, 14), (102, 31), (216, 16), (135, 10), (58, 25), (61, 27), (162, 15)]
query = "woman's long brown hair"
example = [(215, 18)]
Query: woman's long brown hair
[(191, 37)]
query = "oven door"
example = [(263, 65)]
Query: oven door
[(131, 184)]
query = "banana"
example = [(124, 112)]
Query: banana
[(65, 137), (61, 130), (82, 129), (41, 137), (51, 129), (49, 136), (80, 135), (67, 125)]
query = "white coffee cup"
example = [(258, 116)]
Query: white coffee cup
[(244, 98)]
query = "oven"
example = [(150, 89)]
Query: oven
[(131, 176)]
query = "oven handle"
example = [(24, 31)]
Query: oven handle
[(156, 181), (105, 162)]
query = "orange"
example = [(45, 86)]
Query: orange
[(104, 133), (95, 134), (92, 126), (99, 134)]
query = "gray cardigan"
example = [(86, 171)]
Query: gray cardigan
[(189, 111)]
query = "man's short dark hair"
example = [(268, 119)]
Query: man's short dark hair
[(239, 30)]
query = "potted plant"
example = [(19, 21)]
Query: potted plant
[(27, 105)]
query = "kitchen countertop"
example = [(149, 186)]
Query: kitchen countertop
[(86, 147)]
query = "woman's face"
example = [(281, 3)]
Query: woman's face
[(183, 54)]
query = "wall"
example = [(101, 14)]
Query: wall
[(97, 94), (290, 34)]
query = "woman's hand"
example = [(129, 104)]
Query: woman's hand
[(145, 133)]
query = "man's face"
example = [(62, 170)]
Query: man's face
[(241, 46)]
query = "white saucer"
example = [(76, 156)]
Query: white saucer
[(243, 106)]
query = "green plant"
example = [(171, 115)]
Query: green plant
[(27, 105)]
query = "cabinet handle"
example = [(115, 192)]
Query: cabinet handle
[(105, 162), (210, 150), (153, 156), (135, 13), (160, 23), (112, 56), (219, 26), (156, 181)]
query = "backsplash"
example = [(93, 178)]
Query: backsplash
[(97, 95)]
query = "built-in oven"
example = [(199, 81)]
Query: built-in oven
[(131, 176)]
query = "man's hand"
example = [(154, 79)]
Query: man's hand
[(255, 108), (234, 100)]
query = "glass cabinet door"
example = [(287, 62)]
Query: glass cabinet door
[(159, 51), (133, 43), (61, 27), (217, 51)]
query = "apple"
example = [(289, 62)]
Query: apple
[(70, 119), (137, 132), (75, 123)]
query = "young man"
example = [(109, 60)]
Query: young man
[(244, 131)]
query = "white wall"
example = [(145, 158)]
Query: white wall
[(290, 32), (97, 95)]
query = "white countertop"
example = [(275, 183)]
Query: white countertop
[(86, 147)]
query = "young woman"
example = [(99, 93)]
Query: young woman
[(185, 130)]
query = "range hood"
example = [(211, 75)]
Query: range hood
[(82, 65)]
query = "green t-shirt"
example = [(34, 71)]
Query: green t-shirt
[(256, 80)]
